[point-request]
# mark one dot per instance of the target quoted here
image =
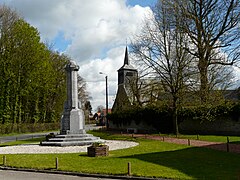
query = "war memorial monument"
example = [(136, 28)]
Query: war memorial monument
[(72, 130)]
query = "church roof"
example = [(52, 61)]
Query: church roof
[(126, 64)]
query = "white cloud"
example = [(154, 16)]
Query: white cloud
[(96, 82), (97, 30), (91, 25)]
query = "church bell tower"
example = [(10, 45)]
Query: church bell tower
[(127, 74)]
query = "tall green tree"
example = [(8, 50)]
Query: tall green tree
[(33, 79), (7, 21)]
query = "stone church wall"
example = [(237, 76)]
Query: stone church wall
[(133, 127), (218, 127)]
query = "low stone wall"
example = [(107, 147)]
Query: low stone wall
[(133, 127), (217, 127)]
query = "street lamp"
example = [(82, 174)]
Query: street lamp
[(106, 78)]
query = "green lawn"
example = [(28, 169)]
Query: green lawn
[(211, 138), (27, 141), (150, 159)]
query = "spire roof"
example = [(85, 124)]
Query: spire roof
[(126, 64), (126, 60)]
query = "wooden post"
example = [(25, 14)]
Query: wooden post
[(4, 160), (56, 162), (227, 144), (163, 138), (189, 142), (129, 168), (197, 137)]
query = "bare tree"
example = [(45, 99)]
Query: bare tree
[(82, 93), (144, 89), (213, 27), (161, 46)]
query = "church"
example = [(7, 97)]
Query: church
[(127, 76)]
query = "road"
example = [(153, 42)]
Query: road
[(4, 139), (21, 175)]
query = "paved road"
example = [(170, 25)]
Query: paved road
[(4, 139), (21, 175)]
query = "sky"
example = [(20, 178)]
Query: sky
[(94, 33)]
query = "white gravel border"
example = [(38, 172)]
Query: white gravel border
[(36, 149)]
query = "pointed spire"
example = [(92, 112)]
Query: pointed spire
[(126, 61)]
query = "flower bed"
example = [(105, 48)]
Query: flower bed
[(97, 150)]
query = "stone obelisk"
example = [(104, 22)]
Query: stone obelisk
[(72, 121)]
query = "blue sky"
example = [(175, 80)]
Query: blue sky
[(142, 3), (60, 43), (91, 32)]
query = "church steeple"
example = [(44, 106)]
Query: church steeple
[(127, 76), (127, 71), (126, 60)]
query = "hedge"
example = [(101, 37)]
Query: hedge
[(161, 117)]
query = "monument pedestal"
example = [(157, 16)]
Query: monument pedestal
[(72, 122), (76, 127), (72, 140)]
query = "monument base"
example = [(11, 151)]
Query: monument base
[(79, 131), (72, 122), (72, 140)]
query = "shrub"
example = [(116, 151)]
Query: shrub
[(161, 117)]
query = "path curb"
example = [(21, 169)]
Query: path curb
[(78, 174)]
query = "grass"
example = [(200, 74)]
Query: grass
[(19, 142), (210, 138), (16, 134), (150, 159)]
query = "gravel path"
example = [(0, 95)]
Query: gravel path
[(36, 149)]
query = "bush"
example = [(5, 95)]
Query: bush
[(210, 113), (161, 117)]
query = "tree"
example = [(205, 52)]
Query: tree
[(144, 90), (88, 107), (32, 83), (7, 20), (33, 78), (213, 29), (161, 47), (82, 93)]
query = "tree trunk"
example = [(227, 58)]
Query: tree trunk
[(174, 117), (204, 86)]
